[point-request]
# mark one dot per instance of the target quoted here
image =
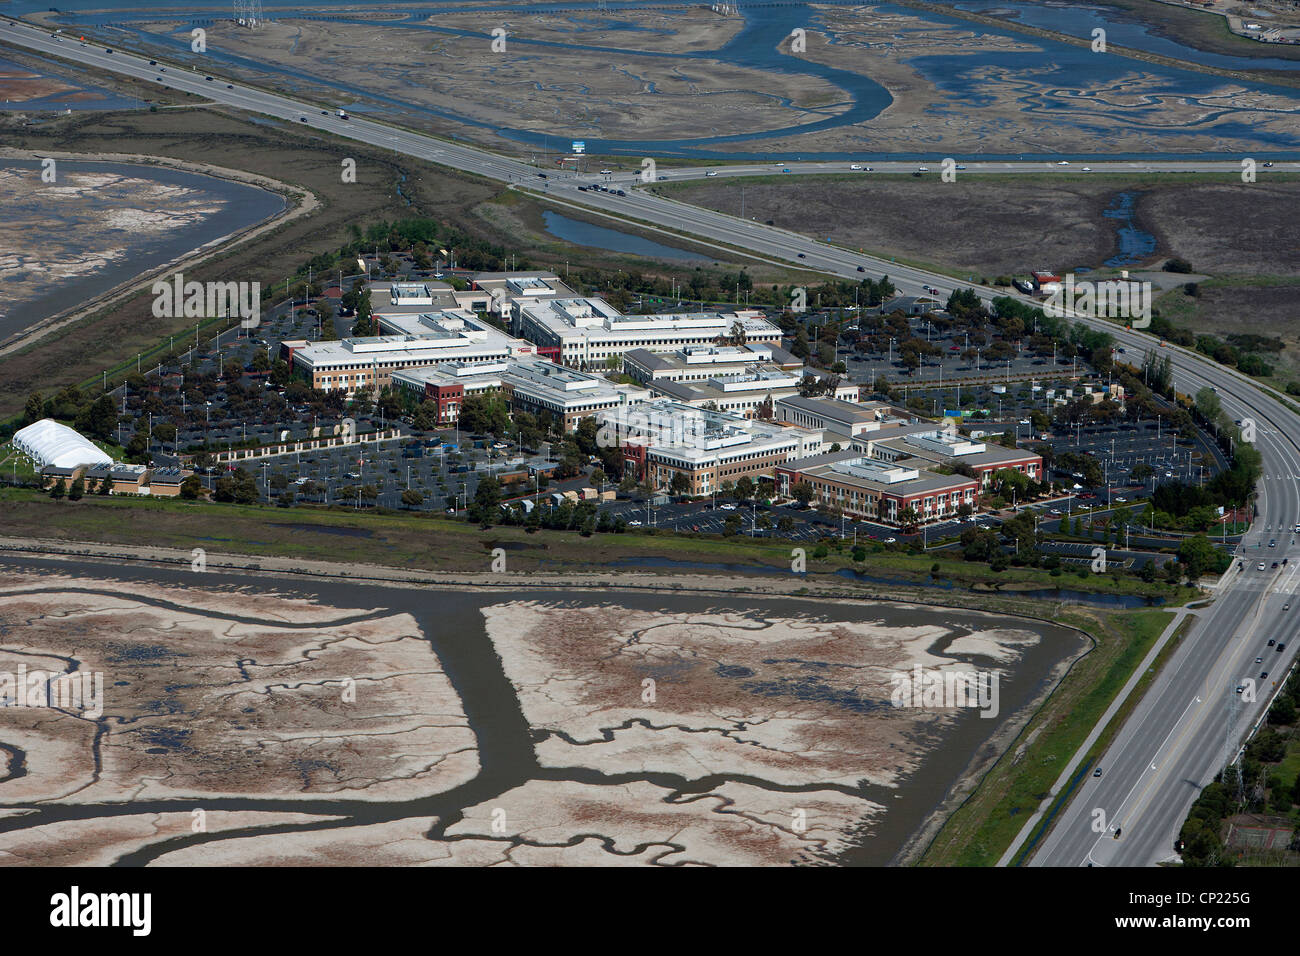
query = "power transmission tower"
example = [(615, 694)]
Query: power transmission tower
[(248, 13)]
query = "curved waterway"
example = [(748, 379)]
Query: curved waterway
[(454, 626), (1060, 79), (82, 246)]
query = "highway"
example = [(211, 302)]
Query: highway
[(1176, 738), (1191, 718)]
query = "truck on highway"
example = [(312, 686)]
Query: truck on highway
[(341, 114)]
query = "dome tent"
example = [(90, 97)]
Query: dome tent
[(50, 444)]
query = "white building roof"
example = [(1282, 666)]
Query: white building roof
[(48, 443)]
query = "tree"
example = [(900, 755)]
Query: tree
[(908, 519), (1283, 713), (137, 449), (484, 414), (487, 500), (238, 486), (802, 492), (1198, 554), (191, 488), (412, 498), (98, 419), (78, 489), (1207, 403), (281, 372), (680, 484), (425, 417), (34, 410), (60, 489)]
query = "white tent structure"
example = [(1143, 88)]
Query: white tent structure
[(47, 443)]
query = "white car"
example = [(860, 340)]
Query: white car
[(1064, 162), (727, 507), (891, 540), (1121, 499), (923, 169), (1088, 169), (856, 166), (710, 173), (634, 523)]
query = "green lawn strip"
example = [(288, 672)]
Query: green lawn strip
[(1132, 659), (424, 541), (988, 821)]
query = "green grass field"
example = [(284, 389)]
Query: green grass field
[(427, 542)]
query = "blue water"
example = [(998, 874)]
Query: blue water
[(598, 237), (98, 99), (1080, 20), (1135, 246), (237, 206), (1050, 77)]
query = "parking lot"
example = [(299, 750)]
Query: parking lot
[(1013, 362), (444, 470)]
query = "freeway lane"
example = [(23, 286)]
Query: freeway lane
[(1191, 718), (1176, 737), (975, 167)]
